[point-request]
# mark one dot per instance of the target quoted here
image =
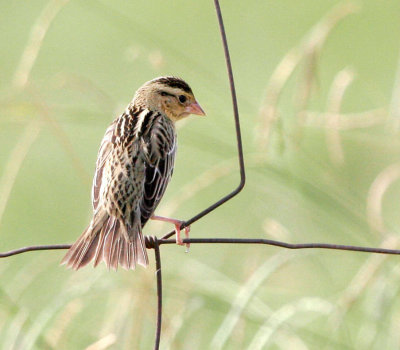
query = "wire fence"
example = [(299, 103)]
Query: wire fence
[(152, 242)]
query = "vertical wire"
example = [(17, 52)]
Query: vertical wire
[(159, 293)]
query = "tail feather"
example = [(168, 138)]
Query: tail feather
[(107, 239), (109, 242), (88, 254), (98, 257), (142, 258), (113, 263), (74, 255), (123, 260), (129, 258)]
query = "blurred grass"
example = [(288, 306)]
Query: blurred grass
[(322, 152)]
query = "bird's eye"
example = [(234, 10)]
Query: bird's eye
[(182, 98), (163, 93)]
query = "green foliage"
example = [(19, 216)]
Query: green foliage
[(318, 86)]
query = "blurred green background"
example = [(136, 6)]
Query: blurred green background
[(318, 86)]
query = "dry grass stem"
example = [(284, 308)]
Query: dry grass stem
[(360, 282), (25, 276), (348, 121), (395, 101), (340, 83), (62, 138), (284, 340), (375, 196), (222, 287), (14, 163), (13, 334), (55, 334), (308, 48), (78, 83), (184, 310), (103, 343), (279, 318), (244, 296), (36, 37), (276, 230)]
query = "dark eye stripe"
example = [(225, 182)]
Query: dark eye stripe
[(164, 93)]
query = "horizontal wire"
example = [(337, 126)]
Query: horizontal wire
[(228, 241), (284, 244), (34, 248)]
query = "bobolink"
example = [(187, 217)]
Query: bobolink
[(134, 166)]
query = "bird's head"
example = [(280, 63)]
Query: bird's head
[(169, 95)]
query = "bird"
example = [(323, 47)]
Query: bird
[(134, 165)]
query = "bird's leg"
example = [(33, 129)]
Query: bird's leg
[(177, 223)]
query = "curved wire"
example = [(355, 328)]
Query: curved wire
[(237, 127)]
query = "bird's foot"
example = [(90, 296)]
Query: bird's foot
[(177, 223), (178, 235)]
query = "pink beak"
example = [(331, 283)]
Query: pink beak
[(194, 108)]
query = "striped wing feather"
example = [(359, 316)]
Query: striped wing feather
[(157, 179), (104, 151)]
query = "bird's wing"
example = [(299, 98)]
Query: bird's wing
[(159, 168), (104, 152)]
